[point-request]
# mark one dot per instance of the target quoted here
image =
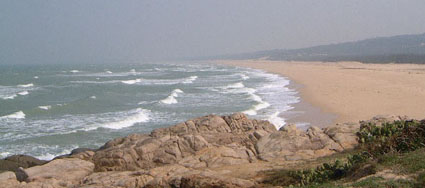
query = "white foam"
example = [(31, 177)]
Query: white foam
[(23, 93), (49, 156), (74, 71), (35, 77), (26, 85), (235, 86), (131, 81), (244, 77), (141, 115), (45, 107), (109, 72), (171, 98), (93, 97), (257, 107), (190, 80), (9, 97), (277, 121), (4, 154), (16, 115)]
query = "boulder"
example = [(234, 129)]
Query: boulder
[(290, 144), (12, 163), (344, 134), (59, 173), (8, 179)]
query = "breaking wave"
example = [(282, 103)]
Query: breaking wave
[(171, 99), (138, 115), (16, 115)]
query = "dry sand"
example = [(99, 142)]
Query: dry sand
[(353, 91)]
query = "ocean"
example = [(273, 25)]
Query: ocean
[(48, 110)]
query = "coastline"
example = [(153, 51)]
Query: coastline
[(349, 91)]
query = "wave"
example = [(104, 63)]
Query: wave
[(109, 72), (257, 107), (26, 85), (45, 107), (11, 92), (23, 93), (244, 76), (35, 77), (16, 115), (235, 86), (139, 115), (9, 97), (131, 81), (190, 80), (93, 97), (4, 154), (74, 71), (277, 121), (171, 98), (49, 156)]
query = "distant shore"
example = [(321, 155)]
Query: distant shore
[(351, 91)]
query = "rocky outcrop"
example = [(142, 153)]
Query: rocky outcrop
[(290, 144), (209, 141), (203, 152), (57, 173)]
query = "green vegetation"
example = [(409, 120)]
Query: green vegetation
[(398, 146)]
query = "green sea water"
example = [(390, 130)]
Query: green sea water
[(48, 110)]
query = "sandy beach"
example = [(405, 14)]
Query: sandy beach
[(352, 91)]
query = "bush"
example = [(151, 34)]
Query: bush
[(375, 141)]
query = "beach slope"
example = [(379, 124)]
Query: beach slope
[(351, 90)]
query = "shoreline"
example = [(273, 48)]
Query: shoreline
[(349, 91), (304, 112)]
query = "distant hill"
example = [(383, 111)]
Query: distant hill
[(396, 49)]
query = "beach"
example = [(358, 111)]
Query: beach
[(351, 91)]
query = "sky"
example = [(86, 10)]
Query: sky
[(111, 31)]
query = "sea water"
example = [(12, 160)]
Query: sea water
[(48, 110)]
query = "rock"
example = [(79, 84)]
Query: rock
[(25, 160), (202, 152), (381, 119), (12, 163), (59, 172), (212, 179), (21, 175), (117, 179), (344, 134), (8, 179), (6, 165), (291, 144), (209, 140)]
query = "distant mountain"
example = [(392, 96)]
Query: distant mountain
[(396, 49)]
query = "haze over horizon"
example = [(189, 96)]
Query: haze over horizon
[(113, 32)]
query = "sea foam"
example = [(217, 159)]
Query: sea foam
[(26, 85), (171, 99), (16, 115), (45, 107), (131, 81), (190, 79), (23, 93), (139, 115)]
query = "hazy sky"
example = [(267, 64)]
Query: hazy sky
[(96, 31)]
